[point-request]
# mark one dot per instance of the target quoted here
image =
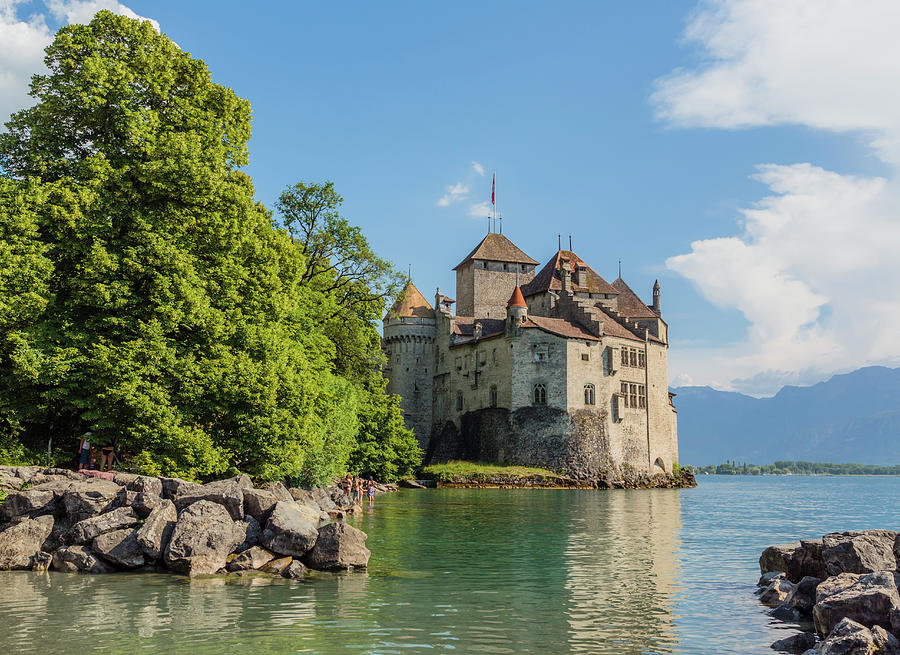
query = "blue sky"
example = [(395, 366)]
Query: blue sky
[(637, 128)]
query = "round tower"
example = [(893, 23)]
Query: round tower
[(516, 311), (656, 307), (409, 331)]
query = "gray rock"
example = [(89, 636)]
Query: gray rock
[(204, 536), (302, 496), (294, 570), (798, 559), (868, 601), (156, 532), (88, 529), (60, 535), (228, 493), (258, 503), (851, 638), (277, 566), (89, 497), (172, 487), (768, 578), (866, 551), (281, 492), (124, 479), (62, 473), (8, 480), (248, 532), (777, 592), (28, 502), (21, 540), (797, 643), (339, 546), (803, 597), (251, 559), (78, 559), (120, 548), (144, 503), (146, 485), (40, 561), (885, 642), (290, 530)]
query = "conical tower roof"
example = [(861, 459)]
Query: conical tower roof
[(410, 304), (516, 299)]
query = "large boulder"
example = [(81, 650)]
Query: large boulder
[(868, 599), (78, 559), (155, 533), (173, 487), (290, 530), (88, 529), (120, 548), (20, 541), (228, 493), (29, 502), (204, 536), (143, 503), (258, 503), (251, 559), (294, 570), (796, 643), (146, 485), (866, 551), (798, 559), (279, 490), (339, 546), (852, 638), (9, 480), (88, 497)]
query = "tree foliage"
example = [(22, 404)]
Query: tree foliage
[(149, 299)]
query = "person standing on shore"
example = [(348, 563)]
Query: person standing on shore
[(371, 492), (85, 452)]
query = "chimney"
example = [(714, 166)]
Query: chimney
[(476, 331), (565, 275), (581, 275)]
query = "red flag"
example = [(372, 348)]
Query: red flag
[(493, 185)]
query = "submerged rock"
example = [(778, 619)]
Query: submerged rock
[(777, 592), (78, 559)]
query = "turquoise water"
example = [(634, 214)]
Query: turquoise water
[(479, 571)]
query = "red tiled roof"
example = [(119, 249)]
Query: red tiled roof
[(629, 304), (410, 304), (464, 326), (497, 248), (516, 299), (613, 328), (549, 279)]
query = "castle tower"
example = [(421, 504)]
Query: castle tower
[(516, 312), (409, 331), (656, 307), (486, 277)]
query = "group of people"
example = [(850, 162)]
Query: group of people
[(91, 456), (355, 486)]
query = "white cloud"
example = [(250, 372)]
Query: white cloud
[(478, 168), (480, 209), (24, 38), (815, 269), (455, 193)]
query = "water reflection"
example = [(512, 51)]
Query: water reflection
[(621, 569)]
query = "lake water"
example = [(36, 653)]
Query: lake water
[(479, 571)]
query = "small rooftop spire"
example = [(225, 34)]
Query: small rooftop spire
[(516, 299)]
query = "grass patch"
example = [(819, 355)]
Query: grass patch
[(479, 471)]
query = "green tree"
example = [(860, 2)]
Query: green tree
[(165, 314)]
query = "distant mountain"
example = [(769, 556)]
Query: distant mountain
[(850, 418)]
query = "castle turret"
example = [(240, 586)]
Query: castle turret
[(656, 307), (516, 312), (409, 332)]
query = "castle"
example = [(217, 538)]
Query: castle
[(557, 369)]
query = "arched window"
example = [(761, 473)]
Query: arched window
[(493, 395), (459, 401), (589, 394), (540, 394)]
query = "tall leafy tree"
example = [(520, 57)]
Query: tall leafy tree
[(166, 315)]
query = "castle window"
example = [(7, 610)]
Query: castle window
[(632, 396), (493, 395), (624, 393), (398, 359), (642, 362), (585, 357), (589, 394), (494, 356), (633, 357), (540, 394), (505, 267), (541, 353), (459, 401), (642, 396)]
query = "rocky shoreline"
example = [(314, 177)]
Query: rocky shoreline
[(56, 519), (684, 479), (841, 590)]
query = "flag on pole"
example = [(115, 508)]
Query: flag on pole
[(493, 187)]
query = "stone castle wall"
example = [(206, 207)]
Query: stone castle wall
[(483, 287)]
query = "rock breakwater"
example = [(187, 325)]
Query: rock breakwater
[(842, 588), (65, 521)]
